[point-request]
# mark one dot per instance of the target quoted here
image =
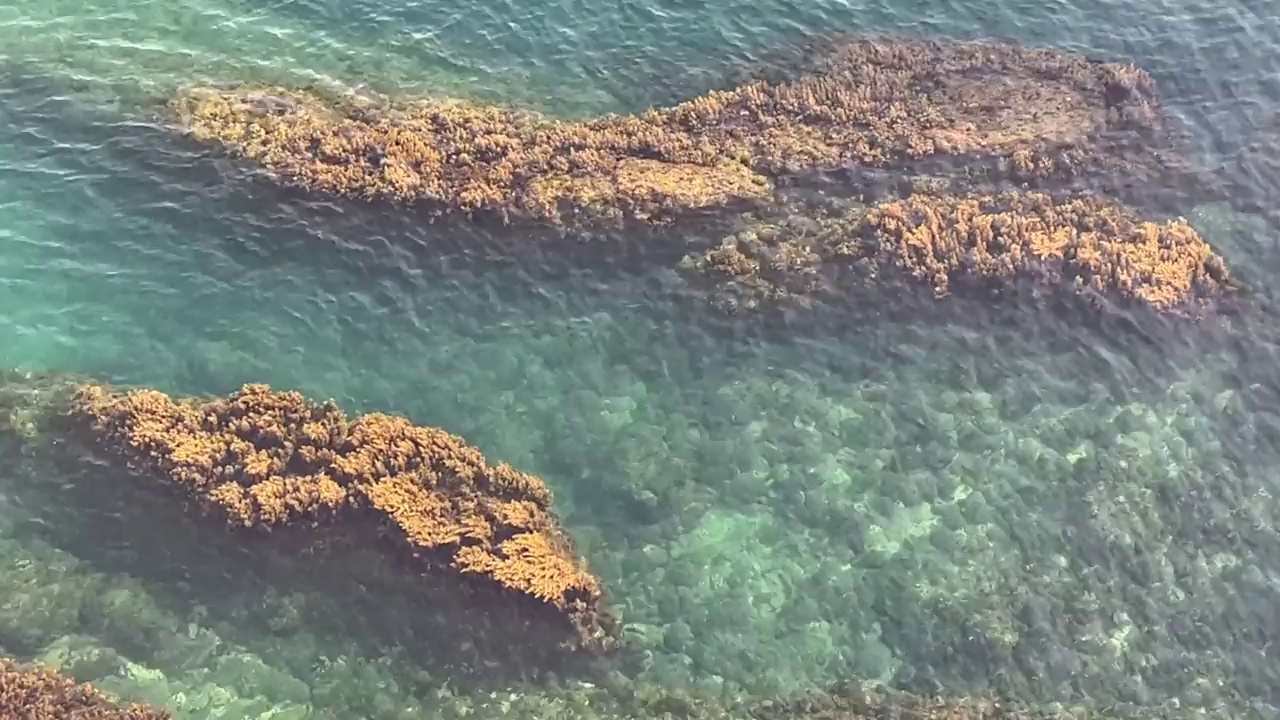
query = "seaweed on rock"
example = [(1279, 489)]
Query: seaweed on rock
[(264, 460), (999, 108), (38, 693), (1083, 243), (423, 543)]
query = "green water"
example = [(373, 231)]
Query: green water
[(938, 497)]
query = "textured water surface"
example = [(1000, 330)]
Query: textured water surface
[(937, 496)]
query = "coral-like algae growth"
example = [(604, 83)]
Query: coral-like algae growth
[(877, 103), (38, 693), (1083, 242), (265, 459)]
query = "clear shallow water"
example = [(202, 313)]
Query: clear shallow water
[(940, 497)]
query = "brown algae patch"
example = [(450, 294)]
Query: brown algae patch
[(868, 102), (1082, 242), (264, 459), (32, 692)]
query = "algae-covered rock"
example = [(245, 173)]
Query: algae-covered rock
[(372, 499), (1081, 244), (38, 693), (869, 102), (461, 562)]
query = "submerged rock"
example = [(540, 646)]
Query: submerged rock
[(994, 108), (1084, 244), (422, 541), (264, 461)]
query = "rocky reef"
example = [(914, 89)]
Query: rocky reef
[(862, 161), (38, 693), (462, 560), (1084, 243), (263, 460), (990, 108)]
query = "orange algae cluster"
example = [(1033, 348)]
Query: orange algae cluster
[(867, 102), (1093, 242), (1084, 242), (466, 157), (39, 693), (264, 459)]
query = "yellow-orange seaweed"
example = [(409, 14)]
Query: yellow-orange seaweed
[(263, 459), (39, 693), (866, 102), (1081, 242)]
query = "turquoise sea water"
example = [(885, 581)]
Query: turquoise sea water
[(941, 497)]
